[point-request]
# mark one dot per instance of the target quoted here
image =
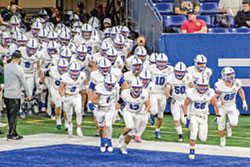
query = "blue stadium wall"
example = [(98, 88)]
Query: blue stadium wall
[(220, 49)]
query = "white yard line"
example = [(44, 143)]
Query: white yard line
[(55, 139)]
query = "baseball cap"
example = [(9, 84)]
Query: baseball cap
[(17, 54), (107, 20)]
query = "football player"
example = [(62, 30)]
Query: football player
[(178, 82), (199, 98), (226, 91)]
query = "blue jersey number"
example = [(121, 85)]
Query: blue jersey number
[(200, 105), (160, 80), (89, 49), (134, 106), (27, 64), (108, 99), (179, 89), (229, 96), (73, 89), (57, 82)]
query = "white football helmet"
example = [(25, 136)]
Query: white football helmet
[(104, 48), (42, 36), (112, 55), (228, 74), (52, 36), (114, 32), (86, 31), (136, 87), (119, 42), (31, 47), (52, 48), (200, 62), (73, 47), (75, 31), (62, 65), (180, 70), (109, 82), (125, 31), (201, 84), (104, 66), (145, 77), (74, 70), (15, 21), (162, 61), (152, 58), (94, 22), (107, 32), (36, 27), (64, 38), (141, 53), (22, 40), (66, 53), (77, 24), (137, 65), (6, 38), (81, 52)]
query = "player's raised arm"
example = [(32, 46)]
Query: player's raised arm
[(243, 98)]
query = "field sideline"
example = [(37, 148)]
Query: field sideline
[(38, 124)]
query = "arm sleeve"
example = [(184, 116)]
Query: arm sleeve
[(92, 86), (20, 75), (121, 81), (183, 26)]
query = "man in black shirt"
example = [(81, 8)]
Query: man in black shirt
[(243, 17)]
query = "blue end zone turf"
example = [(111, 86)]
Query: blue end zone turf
[(90, 156)]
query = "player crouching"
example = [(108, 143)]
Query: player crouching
[(135, 98), (105, 96), (199, 98)]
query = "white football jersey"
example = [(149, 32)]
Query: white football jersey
[(83, 64), (55, 77), (92, 44), (72, 86), (45, 60), (28, 63), (150, 88), (96, 76), (179, 87), (199, 102), (118, 63), (5, 53), (107, 98), (228, 94), (132, 104), (129, 77), (96, 57), (159, 78), (207, 73), (123, 53)]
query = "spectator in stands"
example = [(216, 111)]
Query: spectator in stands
[(230, 7), (193, 25), (182, 6), (141, 42), (57, 16), (243, 17), (107, 14), (2, 21), (80, 12), (13, 7)]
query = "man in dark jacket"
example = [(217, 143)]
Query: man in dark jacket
[(243, 17)]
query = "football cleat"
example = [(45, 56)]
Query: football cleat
[(103, 145), (110, 148), (66, 124), (70, 130), (152, 119), (157, 135), (124, 150), (180, 138), (59, 127), (191, 155), (229, 130), (223, 141), (79, 132), (138, 139)]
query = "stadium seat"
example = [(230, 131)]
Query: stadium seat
[(209, 8), (165, 8), (232, 22), (240, 30), (217, 1), (207, 19), (174, 21), (218, 30), (155, 1)]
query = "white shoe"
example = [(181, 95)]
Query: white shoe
[(79, 132), (191, 156), (110, 149), (2, 124), (229, 130), (70, 130), (53, 117), (223, 141), (121, 141), (66, 124), (102, 149), (124, 150)]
